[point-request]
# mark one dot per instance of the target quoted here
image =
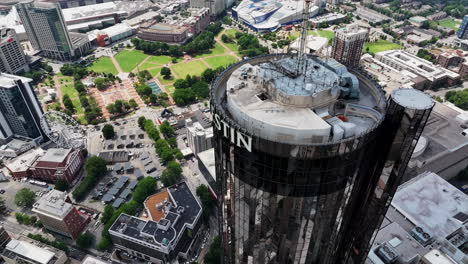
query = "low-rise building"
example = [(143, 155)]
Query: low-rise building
[(435, 76), (463, 71), (59, 215), (199, 19), (57, 164), (169, 232), (4, 237), (417, 20), (329, 18), (111, 34), (153, 31), (371, 16), (427, 215), (199, 139), (437, 16), (451, 58), (19, 167), (27, 251)]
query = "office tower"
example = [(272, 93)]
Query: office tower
[(463, 29), (58, 214), (12, 59), (47, 31), (198, 138), (347, 45), (307, 160), (20, 111)]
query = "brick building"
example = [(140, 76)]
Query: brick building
[(451, 58), (152, 31), (57, 164), (57, 214), (347, 45), (463, 70)]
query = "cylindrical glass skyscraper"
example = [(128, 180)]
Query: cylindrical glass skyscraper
[(298, 155)]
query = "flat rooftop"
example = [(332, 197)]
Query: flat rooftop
[(29, 251), (23, 162), (8, 80), (53, 204), (432, 203), (207, 157), (272, 100), (55, 155)]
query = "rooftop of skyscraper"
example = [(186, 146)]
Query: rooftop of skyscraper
[(8, 80), (326, 104)]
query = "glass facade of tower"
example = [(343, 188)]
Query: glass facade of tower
[(17, 106), (285, 203)]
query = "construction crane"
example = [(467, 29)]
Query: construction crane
[(301, 55)]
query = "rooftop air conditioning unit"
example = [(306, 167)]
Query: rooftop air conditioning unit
[(421, 236), (387, 253)]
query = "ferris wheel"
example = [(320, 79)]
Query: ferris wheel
[(63, 130)]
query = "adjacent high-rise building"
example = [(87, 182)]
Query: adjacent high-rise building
[(347, 45), (59, 215), (48, 33), (20, 111), (12, 58), (463, 29), (307, 160)]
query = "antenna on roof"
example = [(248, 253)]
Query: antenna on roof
[(302, 43)]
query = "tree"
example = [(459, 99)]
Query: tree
[(171, 175), (24, 198), (183, 96), (141, 122), (108, 131), (207, 201), (166, 129), (181, 84), (226, 39), (85, 240), (214, 254), (107, 214), (67, 102), (208, 75), (101, 83), (166, 72), (95, 169), (201, 89), (133, 104), (145, 188), (61, 185)]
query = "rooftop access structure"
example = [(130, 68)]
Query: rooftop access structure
[(308, 152)]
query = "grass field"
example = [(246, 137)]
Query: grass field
[(129, 59), (164, 81), (148, 65), (231, 32), (217, 50), (191, 67), (103, 64), (217, 61), (64, 79), (160, 59), (326, 34), (232, 46), (380, 45), (295, 34), (154, 71), (78, 108), (69, 89), (450, 23), (170, 89)]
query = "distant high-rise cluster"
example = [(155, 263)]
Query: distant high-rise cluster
[(347, 45), (12, 58)]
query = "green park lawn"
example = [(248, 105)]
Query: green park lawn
[(164, 81), (326, 34), (78, 108), (380, 45), (295, 34), (217, 61), (160, 59), (154, 71), (232, 46), (170, 89), (69, 89), (129, 59), (191, 67), (104, 65), (231, 32), (217, 50), (450, 23), (64, 79), (147, 65)]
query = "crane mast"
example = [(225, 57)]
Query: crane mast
[(303, 41)]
